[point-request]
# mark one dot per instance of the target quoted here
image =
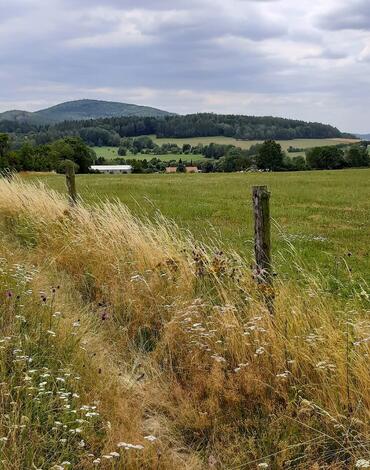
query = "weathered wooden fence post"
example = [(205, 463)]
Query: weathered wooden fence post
[(71, 181), (262, 243)]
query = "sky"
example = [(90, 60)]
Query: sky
[(301, 59)]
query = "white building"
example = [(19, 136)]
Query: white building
[(112, 169)]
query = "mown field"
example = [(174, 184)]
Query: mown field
[(111, 152), (323, 215), (246, 144)]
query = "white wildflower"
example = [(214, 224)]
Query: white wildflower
[(362, 463), (283, 375), (127, 446), (150, 438)]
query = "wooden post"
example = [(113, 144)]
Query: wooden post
[(71, 182), (262, 242)]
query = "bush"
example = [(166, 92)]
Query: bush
[(325, 158)]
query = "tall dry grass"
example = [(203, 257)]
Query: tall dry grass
[(203, 366)]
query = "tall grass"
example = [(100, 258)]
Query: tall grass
[(201, 365)]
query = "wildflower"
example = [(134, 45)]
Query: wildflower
[(66, 463), (104, 316), (96, 461), (129, 446), (324, 365), (263, 465), (150, 438), (260, 350), (114, 454), (3, 439), (362, 463), (107, 457), (218, 358), (283, 375)]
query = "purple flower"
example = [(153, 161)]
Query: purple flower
[(105, 316)]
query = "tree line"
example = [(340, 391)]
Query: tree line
[(46, 157), (109, 131), (267, 156)]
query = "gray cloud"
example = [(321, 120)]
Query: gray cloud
[(353, 15), (259, 57)]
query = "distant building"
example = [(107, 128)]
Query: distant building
[(192, 169), (188, 169), (112, 169), (171, 169)]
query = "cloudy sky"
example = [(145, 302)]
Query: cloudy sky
[(294, 58)]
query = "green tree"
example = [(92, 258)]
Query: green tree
[(325, 158), (73, 148), (357, 156), (4, 150), (181, 168), (270, 156)]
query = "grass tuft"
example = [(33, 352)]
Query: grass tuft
[(172, 343)]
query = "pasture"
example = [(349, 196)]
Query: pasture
[(324, 215), (110, 153), (247, 144), (106, 303)]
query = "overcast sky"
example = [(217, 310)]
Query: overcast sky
[(304, 59)]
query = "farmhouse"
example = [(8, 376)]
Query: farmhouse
[(188, 169), (171, 169), (192, 169), (112, 169)]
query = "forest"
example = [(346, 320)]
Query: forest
[(109, 131)]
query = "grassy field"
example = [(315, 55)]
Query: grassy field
[(324, 215), (125, 345), (246, 144), (109, 153)]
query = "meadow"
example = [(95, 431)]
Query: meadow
[(111, 152), (323, 215), (247, 144), (125, 344)]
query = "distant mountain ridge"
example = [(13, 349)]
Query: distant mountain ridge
[(363, 136), (81, 110)]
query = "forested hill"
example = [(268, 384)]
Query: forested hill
[(79, 110), (201, 125), (109, 131)]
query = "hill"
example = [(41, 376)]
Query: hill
[(200, 125), (81, 110), (22, 117), (363, 136)]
